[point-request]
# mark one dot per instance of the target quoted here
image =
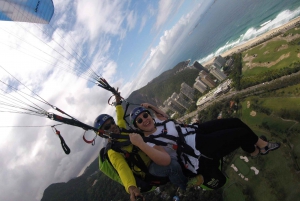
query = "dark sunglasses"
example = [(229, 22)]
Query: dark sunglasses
[(140, 120), (107, 126)]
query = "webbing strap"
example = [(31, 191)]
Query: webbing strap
[(64, 145), (136, 159), (62, 141), (125, 116), (72, 122)]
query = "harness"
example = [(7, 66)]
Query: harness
[(134, 161), (180, 145), (210, 168)]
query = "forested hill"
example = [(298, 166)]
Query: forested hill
[(75, 189), (163, 86)]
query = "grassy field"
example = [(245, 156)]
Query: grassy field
[(233, 192), (274, 54), (279, 171), (278, 178)]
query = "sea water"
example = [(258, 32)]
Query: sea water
[(229, 23)]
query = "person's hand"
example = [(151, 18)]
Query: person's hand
[(146, 105), (118, 96), (136, 139), (135, 193)]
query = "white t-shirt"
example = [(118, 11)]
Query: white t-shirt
[(190, 140)]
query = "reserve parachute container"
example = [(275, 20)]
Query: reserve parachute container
[(35, 11)]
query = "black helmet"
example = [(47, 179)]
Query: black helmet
[(136, 112), (101, 119)]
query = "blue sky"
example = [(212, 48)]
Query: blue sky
[(127, 42)]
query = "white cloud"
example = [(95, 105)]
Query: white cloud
[(168, 43), (34, 153), (143, 23), (165, 8), (101, 16), (131, 19)]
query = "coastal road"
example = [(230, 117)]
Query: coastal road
[(232, 93)]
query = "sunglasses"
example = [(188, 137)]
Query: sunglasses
[(140, 120), (108, 126)]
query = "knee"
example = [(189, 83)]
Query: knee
[(174, 164), (238, 122)]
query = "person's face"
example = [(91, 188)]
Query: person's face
[(145, 122), (110, 126)]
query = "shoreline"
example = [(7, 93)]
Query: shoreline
[(263, 37)]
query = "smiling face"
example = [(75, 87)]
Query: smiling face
[(145, 122), (110, 126)]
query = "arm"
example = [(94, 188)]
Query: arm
[(158, 113), (121, 166), (120, 112), (157, 153)]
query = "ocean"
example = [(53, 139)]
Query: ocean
[(228, 23)]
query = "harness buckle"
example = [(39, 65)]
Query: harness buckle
[(174, 146)]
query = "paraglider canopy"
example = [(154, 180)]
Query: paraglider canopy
[(35, 11)]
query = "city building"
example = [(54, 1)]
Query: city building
[(203, 73), (219, 62), (205, 78), (164, 109), (201, 101), (199, 85), (187, 91), (179, 98), (173, 106), (229, 62), (198, 66), (222, 88), (218, 73)]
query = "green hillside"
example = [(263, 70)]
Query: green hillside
[(163, 86)]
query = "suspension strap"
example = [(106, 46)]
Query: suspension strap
[(72, 122), (89, 141), (62, 141), (126, 115), (104, 84)]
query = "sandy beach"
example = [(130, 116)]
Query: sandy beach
[(268, 35)]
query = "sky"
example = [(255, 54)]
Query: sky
[(127, 42)]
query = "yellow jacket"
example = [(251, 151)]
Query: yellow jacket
[(118, 160)]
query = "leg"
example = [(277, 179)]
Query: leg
[(222, 142), (173, 171), (221, 124)]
